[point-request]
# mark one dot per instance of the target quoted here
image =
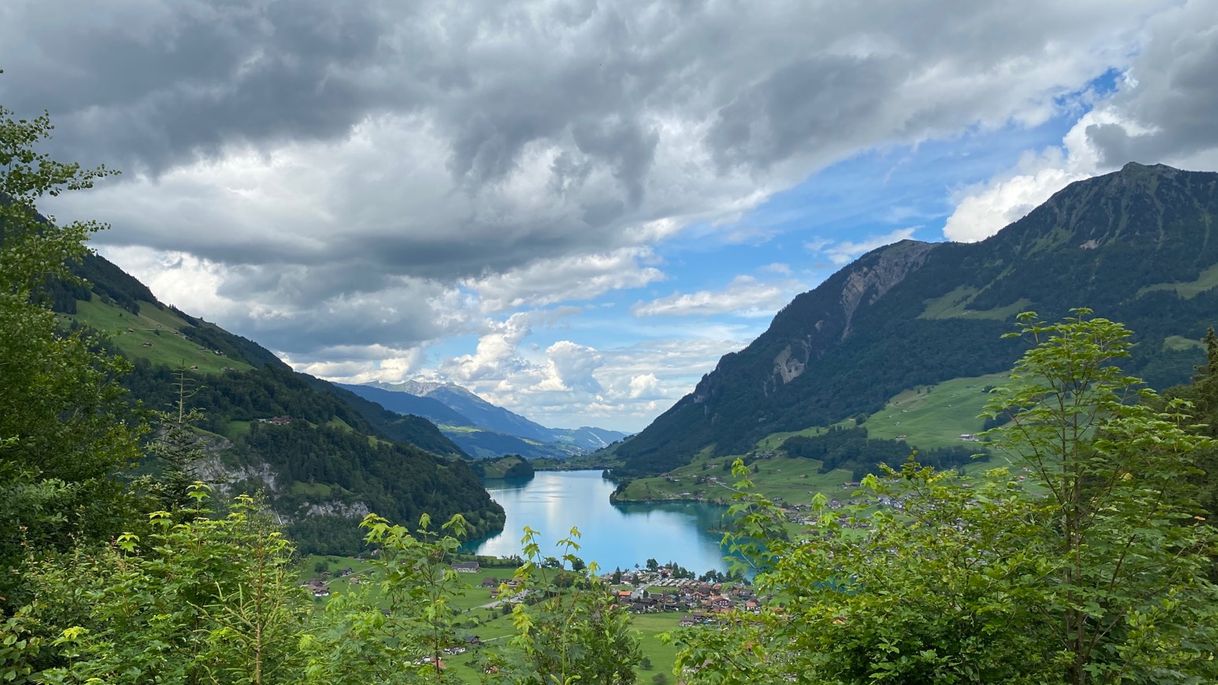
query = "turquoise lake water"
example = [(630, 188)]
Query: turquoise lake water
[(614, 535)]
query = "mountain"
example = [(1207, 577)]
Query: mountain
[(322, 455), (405, 403), (478, 411), (587, 438), (1138, 246), (483, 429)]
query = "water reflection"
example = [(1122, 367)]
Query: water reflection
[(613, 535)]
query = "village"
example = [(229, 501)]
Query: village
[(656, 588)]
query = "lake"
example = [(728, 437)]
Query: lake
[(614, 535)]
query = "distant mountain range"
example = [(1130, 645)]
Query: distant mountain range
[(480, 428), (1138, 246)]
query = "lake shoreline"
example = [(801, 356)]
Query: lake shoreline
[(612, 533)]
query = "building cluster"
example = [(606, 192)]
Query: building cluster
[(319, 586), (644, 591)]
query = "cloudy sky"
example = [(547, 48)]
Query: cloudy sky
[(575, 207)]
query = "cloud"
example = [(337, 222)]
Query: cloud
[(495, 356), (744, 296), (644, 385), (577, 277), (483, 139), (845, 251), (569, 368), (572, 384), (332, 177), (290, 309)]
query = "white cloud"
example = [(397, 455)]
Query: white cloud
[(575, 277), (645, 386), (569, 368), (744, 296), (843, 252), (495, 356), (569, 383)]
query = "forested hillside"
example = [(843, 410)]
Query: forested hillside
[(1138, 245), (322, 455)]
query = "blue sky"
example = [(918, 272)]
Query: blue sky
[(574, 208)]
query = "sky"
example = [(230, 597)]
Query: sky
[(574, 208)]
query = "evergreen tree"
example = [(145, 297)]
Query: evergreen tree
[(178, 447)]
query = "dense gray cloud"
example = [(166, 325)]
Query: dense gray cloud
[(384, 162), (1170, 104)]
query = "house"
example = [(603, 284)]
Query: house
[(490, 582), (318, 587), (466, 567)]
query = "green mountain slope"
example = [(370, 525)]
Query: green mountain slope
[(1138, 246), (323, 455)]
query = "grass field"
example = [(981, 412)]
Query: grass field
[(791, 479), (490, 625), (1177, 343), (1187, 290), (936, 415), (153, 334), (926, 417), (953, 305)]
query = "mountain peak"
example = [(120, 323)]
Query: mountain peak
[(1138, 168)]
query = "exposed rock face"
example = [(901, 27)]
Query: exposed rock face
[(345, 510), (215, 472), (863, 284), (787, 367), (872, 281)]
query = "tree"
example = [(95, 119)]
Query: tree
[(178, 447), (202, 600), (570, 629), (66, 430), (1124, 543), (1083, 565), (394, 630), (1202, 395)]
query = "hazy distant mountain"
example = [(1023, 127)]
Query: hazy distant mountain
[(406, 403), (481, 413), (1138, 246), (500, 431)]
